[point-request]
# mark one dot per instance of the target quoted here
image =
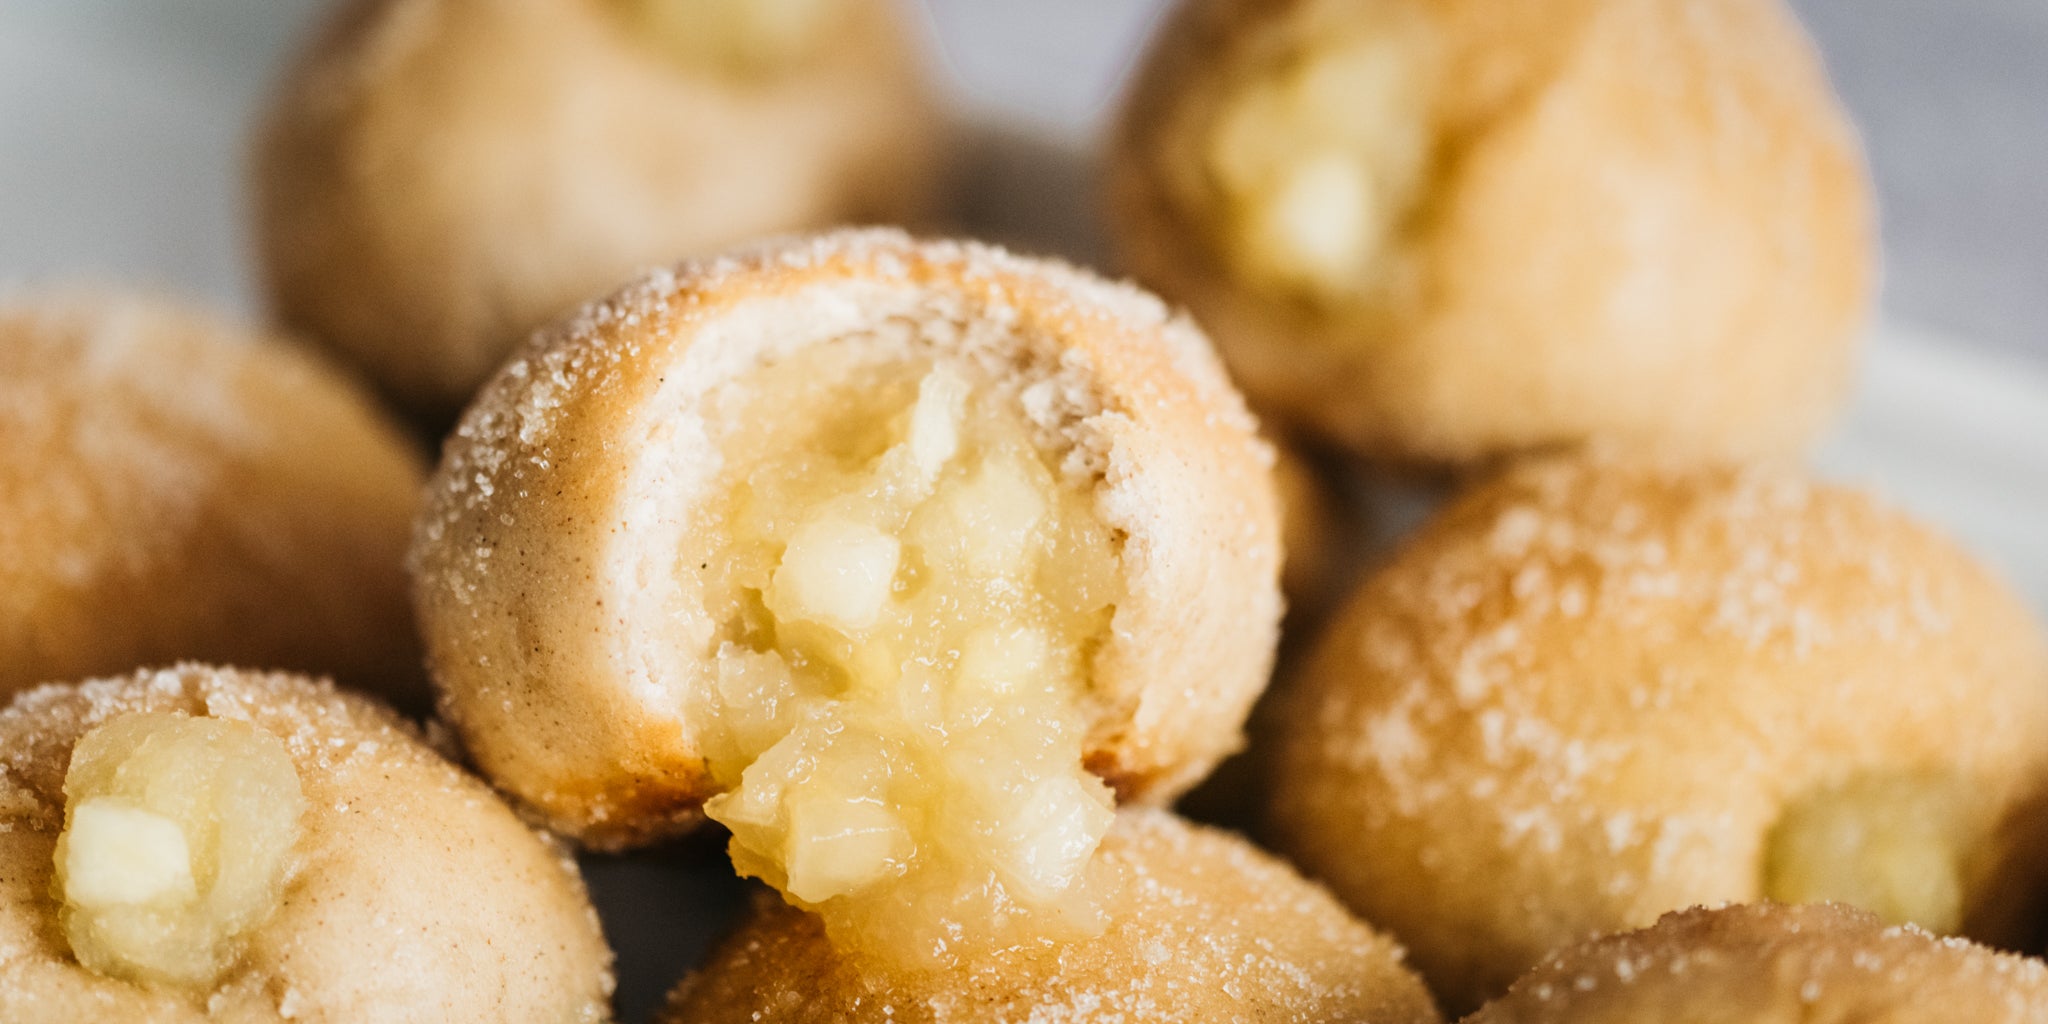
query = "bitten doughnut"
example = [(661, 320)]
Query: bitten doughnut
[(1204, 928), (439, 177), (1772, 964), (175, 486), (1597, 689), (1442, 230), (904, 556), (196, 844), (1325, 534)]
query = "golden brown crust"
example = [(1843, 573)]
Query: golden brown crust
[(1205, 928), (1584, 694), (173, 486), (547, 589), (1771, 964), (420, 897), (1644, 223), (439, 177)]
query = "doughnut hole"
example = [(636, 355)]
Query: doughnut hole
[(1317, 164), (1900, 846), (741, 37), (908, 594), (177, 842)]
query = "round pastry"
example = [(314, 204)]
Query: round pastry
[(173, 486), (1204, 927), (198, 844), (903, 555), (1440, 231), (1774, 964), (1325, 536), (439, 177), (1595, 690)]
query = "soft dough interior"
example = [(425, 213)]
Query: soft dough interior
[(908, 592), (178, 833)]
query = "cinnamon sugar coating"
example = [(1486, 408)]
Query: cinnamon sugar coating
[(1772, 964), (177, 486)]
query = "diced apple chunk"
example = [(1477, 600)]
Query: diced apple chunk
[(835, 572), (935, 423), (985, 523), (996, 662), (120, 854), (838, 846), (1891, 845), (1316, 226), (1052, 835), (177, 842), (1316, 162)]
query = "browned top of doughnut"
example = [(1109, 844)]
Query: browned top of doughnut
[(1562, 611), (173, 485), (1771, 964), (594, 349)]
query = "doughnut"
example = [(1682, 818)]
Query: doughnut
[(175, 486), (1776, 964), (1440, 232), (439, 177), (1204, 928), (903, 560), (1599, 688), (198, 844)]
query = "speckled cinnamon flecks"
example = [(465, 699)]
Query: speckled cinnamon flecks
[(1770, 964)]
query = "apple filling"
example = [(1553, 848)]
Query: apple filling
[(736, 36), (177, 837), (1317, 164), (1894, 845), (909, 595)]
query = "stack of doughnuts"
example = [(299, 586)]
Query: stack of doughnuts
[(929, 577)]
